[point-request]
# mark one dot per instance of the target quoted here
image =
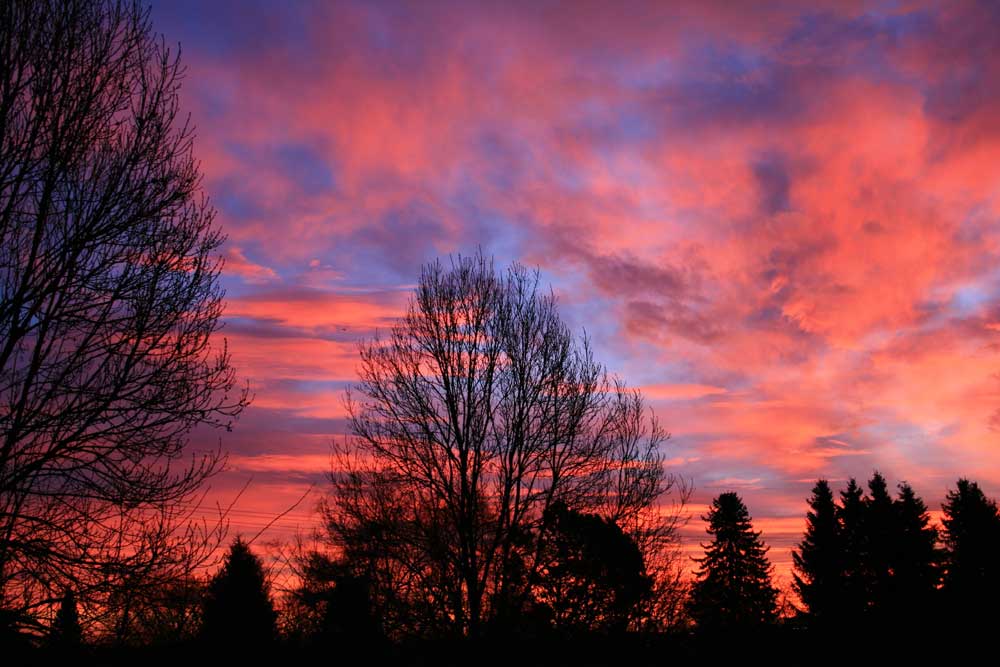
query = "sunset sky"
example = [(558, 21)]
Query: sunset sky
[(782, 224)]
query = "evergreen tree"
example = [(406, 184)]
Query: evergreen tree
[(915, 559), (65, 632), (972, 542), (733, 588), (818, 575), (879, 545), (238, 610), (850, 515)]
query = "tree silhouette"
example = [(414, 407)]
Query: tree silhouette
[(894, 554), (915, 569), (336, 602), (477, 413), (109, 302), (732, 588), (879, 545), (593, 578), (819, 561), (851, 516), (238, 610), (972, 540), (66, 633)]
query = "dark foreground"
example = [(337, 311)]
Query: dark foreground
[(775, 646)]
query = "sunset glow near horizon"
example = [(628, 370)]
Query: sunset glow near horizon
[(782, 224)]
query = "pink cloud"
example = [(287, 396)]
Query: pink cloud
[(256, 274), (781, 225)]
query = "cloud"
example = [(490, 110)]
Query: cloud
[(780, 221), (255, 274)]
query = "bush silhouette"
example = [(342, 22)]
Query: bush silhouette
[(65, 633), (594, 579), (238, 609)]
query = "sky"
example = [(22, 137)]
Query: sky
[(779, 221)]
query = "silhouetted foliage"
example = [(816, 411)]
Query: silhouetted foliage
[(878, 545), (109, 300), (732, 588), (850, 513), (66, 633), (477, 413), (972, 540), (169, 614), (238, 610), (897, 554), (336, 603), (819, 561), (872, 560), (915, 567), (593, 578)]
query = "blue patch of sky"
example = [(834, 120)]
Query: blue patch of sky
[(648, 75), (870, 38), (506, 160), (304, 165), (230, 29), (969, 299), (309, 386), (235, 202), (910, 441), (493, 231), (727, 83)]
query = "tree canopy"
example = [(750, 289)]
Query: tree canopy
[(593, 579), (474, 416), (109, 306)]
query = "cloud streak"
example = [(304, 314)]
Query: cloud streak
[(782, 223)]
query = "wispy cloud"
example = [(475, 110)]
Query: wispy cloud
[(782, 222)]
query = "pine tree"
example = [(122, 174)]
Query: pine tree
[(850, 515), (972, 542), (915, 559), (879, 545), (733, 588), (818, 575), (238, 610), (65, 633)]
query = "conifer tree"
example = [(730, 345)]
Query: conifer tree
[(972, 542), (879, 544), (915, 562), (733, 588), (850, 515), (818, 575), (65, 633), (238, 610)]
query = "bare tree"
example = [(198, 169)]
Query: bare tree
[(476, 414), (109, 302)]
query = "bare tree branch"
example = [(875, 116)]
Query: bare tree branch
[(472, 417), (109, 304)]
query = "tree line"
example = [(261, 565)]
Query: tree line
[(867, 560), (871, 558)]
